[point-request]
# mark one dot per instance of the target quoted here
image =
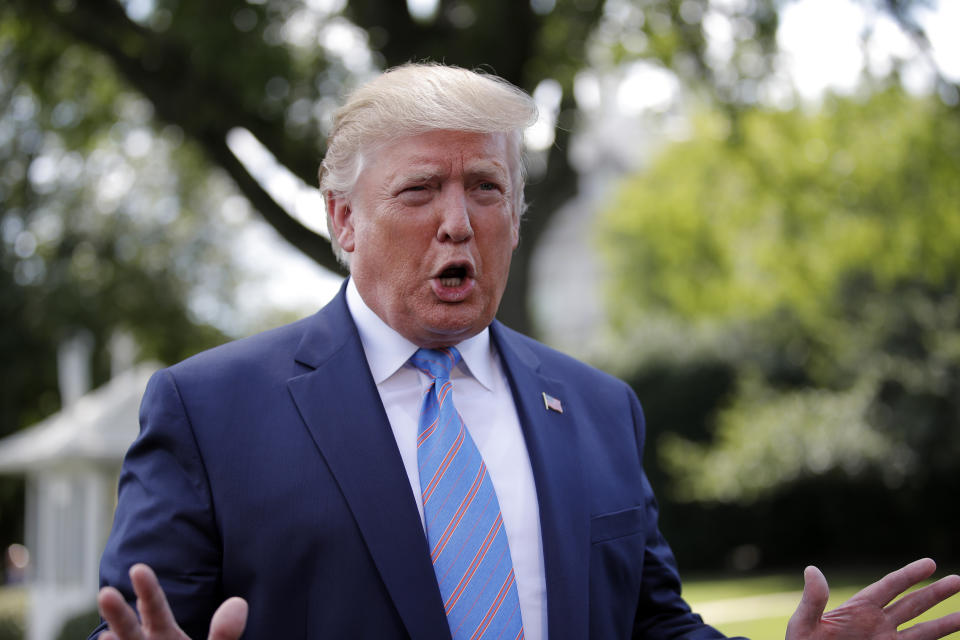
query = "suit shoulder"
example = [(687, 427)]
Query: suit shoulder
[(260, 352)]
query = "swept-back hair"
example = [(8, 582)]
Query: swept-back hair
[(416, 98)]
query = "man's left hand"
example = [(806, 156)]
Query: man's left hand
[(869, 615)]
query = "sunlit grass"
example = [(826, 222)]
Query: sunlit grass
[(13, 607), (13, 600), (698, 588)]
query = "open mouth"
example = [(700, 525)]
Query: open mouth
[(455, 282), (453, 276)]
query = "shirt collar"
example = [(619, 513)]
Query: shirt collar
[(387, 351)]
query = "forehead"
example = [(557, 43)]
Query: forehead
[(441, 151)]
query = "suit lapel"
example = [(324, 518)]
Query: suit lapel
[(354, 437), (564, 519)]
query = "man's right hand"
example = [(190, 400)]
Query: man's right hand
[(869, 615), (156, 621)]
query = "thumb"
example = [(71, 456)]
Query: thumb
[(229, 620), (814, 600)]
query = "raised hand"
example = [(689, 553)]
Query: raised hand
[(156, 621), (869, 615)]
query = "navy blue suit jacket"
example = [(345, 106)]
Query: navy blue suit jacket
[(266, 469)]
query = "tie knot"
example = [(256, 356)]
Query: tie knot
[(436, 363)]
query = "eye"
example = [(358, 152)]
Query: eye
[(488, 188), (415, 195), (488, 192)]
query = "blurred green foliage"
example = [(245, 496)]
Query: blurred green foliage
[(787, 213), (810, 260), (97, 233), (674, 34)]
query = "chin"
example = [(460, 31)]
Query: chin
[(463, 317), (449, 333)]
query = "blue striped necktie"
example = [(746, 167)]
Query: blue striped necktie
[(468, 544)]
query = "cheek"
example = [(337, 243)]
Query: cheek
[(372, 236)]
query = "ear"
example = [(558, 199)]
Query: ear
[(515, 229), (340, 215)]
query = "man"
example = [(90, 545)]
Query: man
[(297, 474)]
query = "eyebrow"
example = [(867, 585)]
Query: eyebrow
[(487, 167), (421, 170), (420, 175)]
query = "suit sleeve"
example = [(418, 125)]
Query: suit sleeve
[(165, 516), (662, 613)]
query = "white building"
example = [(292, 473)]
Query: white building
[(71, 461)]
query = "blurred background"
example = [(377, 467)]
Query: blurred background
[(746, 208)]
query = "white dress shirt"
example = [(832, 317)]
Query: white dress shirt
[(482, 395)]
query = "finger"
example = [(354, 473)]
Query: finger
[(938, 628), (151, 602), (893, 584), (911, 605), (816, 593), (229, 620), (120, 617), (107, 635)]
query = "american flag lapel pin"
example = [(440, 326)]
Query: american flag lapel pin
[(552, 404)]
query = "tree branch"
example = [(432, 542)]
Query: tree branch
[(290, 229), (205, 106)]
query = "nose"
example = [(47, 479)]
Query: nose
[(454, 215)]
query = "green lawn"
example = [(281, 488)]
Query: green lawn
[(759, 607), (13, 604)]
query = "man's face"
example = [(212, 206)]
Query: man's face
[(432, 227)]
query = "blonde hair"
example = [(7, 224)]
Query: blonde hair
[(416, 98)]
